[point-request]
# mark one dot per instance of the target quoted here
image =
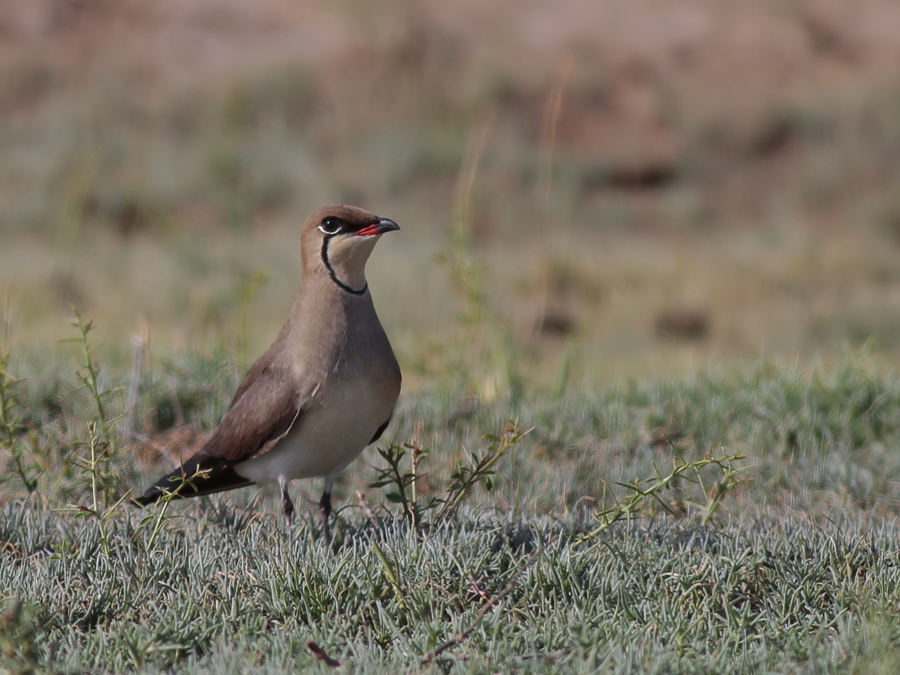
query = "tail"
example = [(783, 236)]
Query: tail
[(200, 476)]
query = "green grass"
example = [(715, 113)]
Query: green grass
[(783, 558), (224, 591)]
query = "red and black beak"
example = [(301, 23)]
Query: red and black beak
[(380, 227)]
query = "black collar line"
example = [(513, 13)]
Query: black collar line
[(334, 277)]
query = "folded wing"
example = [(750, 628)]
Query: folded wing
[(265, 407)]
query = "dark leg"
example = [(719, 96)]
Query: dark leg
[(287, 505), (324, 512)]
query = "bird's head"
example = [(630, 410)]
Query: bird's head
[(337, 241)]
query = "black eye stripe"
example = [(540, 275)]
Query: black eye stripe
[(331, 225)]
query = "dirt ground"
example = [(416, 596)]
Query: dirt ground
[(737, 57)]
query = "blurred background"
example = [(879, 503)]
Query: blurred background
[(589, 190)]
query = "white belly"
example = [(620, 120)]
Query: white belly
[(329, 434)]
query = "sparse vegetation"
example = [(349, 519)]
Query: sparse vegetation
[(764, 202), (667, 253), (727, 523)]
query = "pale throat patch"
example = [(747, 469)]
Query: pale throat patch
[(345, 259)]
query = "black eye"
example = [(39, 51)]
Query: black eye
[(330, 225)]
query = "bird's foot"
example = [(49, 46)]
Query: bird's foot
[(324, 513), (287, 507)]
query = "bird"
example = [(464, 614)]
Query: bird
[(325, 388)]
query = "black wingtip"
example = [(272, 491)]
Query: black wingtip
[(195, 479), (151, 497)]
